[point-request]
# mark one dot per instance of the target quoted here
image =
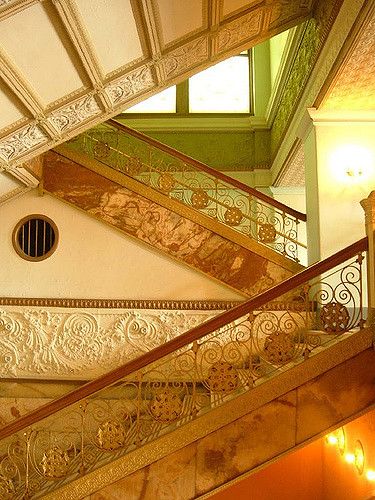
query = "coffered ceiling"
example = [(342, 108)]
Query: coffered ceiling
[(68, 64)]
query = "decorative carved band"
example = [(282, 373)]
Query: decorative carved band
[(194, 305)]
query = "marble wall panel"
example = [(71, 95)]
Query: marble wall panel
[(171, 478), (246, 443), (336, 395), (159, 227), (259, 436)]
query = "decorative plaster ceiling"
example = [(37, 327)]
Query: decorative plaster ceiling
[(293, 173), (353, 88), (66, 65)]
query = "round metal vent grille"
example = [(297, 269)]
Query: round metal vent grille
[(35, 237)]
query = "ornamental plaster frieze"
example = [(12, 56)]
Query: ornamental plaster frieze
[(54, 344)]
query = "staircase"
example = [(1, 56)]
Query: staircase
[(262, 355), (179, 206)]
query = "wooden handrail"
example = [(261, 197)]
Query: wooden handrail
[(202, 166), (173, 345)]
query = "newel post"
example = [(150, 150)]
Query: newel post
[(368, 205)]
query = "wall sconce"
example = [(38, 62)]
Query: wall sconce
[(337, 438), (359, 455), (354, 171), (357, 458), (351, 163)]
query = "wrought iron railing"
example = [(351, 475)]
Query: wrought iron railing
[(183, 379), (195, 185)]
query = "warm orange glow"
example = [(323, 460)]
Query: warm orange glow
[(370, 474), (331, 439), (350, 458)]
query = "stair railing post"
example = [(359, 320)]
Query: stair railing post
[(368, 205)]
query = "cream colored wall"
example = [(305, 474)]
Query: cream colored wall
[(93, 260), (341, 218)]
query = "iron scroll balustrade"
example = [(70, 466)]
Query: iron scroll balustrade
[(183, 379), (195, 185)]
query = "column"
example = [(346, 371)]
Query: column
[(368, 205)]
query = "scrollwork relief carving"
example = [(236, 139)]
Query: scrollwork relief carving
[(59, 344), (130, 85), (239, 31), (21, 142), (78, 112), (186, 57), (285, 10)]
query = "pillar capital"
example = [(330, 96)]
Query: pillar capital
[(368, 205)]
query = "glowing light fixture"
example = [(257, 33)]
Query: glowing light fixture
[(370, 474), (359, 457), (331, 439), (337, 438), (341, 441), (350, 458), (352, 163)]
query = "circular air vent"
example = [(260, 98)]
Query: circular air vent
[(35, 237)]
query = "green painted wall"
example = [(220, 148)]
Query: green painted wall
[(223, 150)]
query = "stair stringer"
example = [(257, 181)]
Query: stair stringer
[(277, 416), (232, 263), (181, 209)]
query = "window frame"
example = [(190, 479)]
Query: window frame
[(182, 100)]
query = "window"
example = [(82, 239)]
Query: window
[(225, 88)]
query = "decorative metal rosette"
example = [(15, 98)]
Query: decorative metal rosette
[(7, 490), (166, 406), (166, 183), (101, 150), (222, 377), (199, 199), (267, 233), (133, 166), (55, 463), (233, 216), (334, 317), (110, 435), (279, 347)]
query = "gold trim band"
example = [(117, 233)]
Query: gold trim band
[(191, 305)]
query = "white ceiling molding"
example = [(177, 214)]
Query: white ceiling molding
[(66, 65)]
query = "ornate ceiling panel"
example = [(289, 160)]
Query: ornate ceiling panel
[(353, 88), (66, 65)]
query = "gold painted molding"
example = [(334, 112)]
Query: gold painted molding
[(217, 417), (176, 305)]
